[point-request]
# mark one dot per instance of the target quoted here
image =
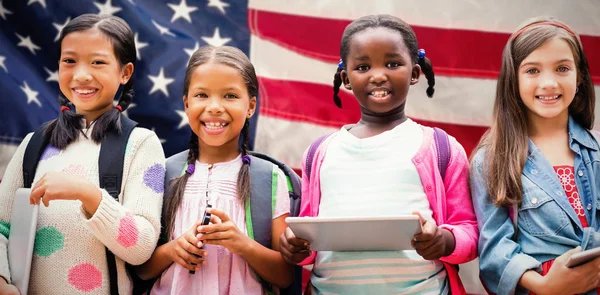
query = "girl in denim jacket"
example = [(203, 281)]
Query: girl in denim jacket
[(535, 176)]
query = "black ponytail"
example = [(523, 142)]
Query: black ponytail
[(111, 120), (64, 129), (337, 82), (427, 69)]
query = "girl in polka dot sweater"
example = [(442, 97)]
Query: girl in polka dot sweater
[(78, 219)]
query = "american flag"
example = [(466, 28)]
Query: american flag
[(294, 46)]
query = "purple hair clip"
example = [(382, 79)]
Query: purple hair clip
[(421, 53), (190, 169), (246, 159), (341, 64)]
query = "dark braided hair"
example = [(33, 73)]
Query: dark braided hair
[(235, 58), (65, 129), (382, 21), (177, 188)]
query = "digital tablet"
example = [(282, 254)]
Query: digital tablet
[(583, 257), (356, 233), (23, 225)]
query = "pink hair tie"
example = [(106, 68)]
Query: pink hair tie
[(64, 108), (120, 108)]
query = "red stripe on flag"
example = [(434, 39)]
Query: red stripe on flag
[(313, 103), (454, 52), (306, 102)]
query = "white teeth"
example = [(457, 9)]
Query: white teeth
[(548, 97), (214, 125), (380, 93), (85, 91)]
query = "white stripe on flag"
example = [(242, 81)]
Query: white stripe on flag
[(285, 140)]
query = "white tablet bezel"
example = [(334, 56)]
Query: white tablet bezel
[(356, 233)]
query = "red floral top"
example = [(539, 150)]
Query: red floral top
[(566, 175)]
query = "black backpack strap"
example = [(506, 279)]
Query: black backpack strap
[(33, 153), (110, 166), (112, 157)]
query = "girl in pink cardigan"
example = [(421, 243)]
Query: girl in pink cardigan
[(386, 165)]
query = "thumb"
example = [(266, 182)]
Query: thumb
[(423, 220)]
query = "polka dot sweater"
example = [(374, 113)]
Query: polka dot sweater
[(69, 255)]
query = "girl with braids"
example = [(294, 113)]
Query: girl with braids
[(220, 90), (386, 165), (535, 177), (80, 219)]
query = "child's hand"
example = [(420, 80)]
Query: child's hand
[(293, 250), (563, 280), (183, 248), (433, 242), (223, 232), (60, 186)]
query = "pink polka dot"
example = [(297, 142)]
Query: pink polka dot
[(128, 231), (77, 170), (85, 277)]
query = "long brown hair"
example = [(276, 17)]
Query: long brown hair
[(506, 143), (235, 58)]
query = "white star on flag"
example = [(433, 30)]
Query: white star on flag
[(52, 76), (131, 106), (43, 2), (162, 30), (31, 94), (184, 119), (160, 82), (59, 27), (4, 11), (2, 65), (182, 11), (216, 39), (27, 43), (139, 45), (220, 5), (107, 8)]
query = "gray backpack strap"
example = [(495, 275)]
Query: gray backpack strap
[(261, 201), (175, 165)]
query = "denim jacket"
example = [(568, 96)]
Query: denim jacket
[(547, 224)]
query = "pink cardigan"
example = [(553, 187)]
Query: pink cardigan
[(454, 214)]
